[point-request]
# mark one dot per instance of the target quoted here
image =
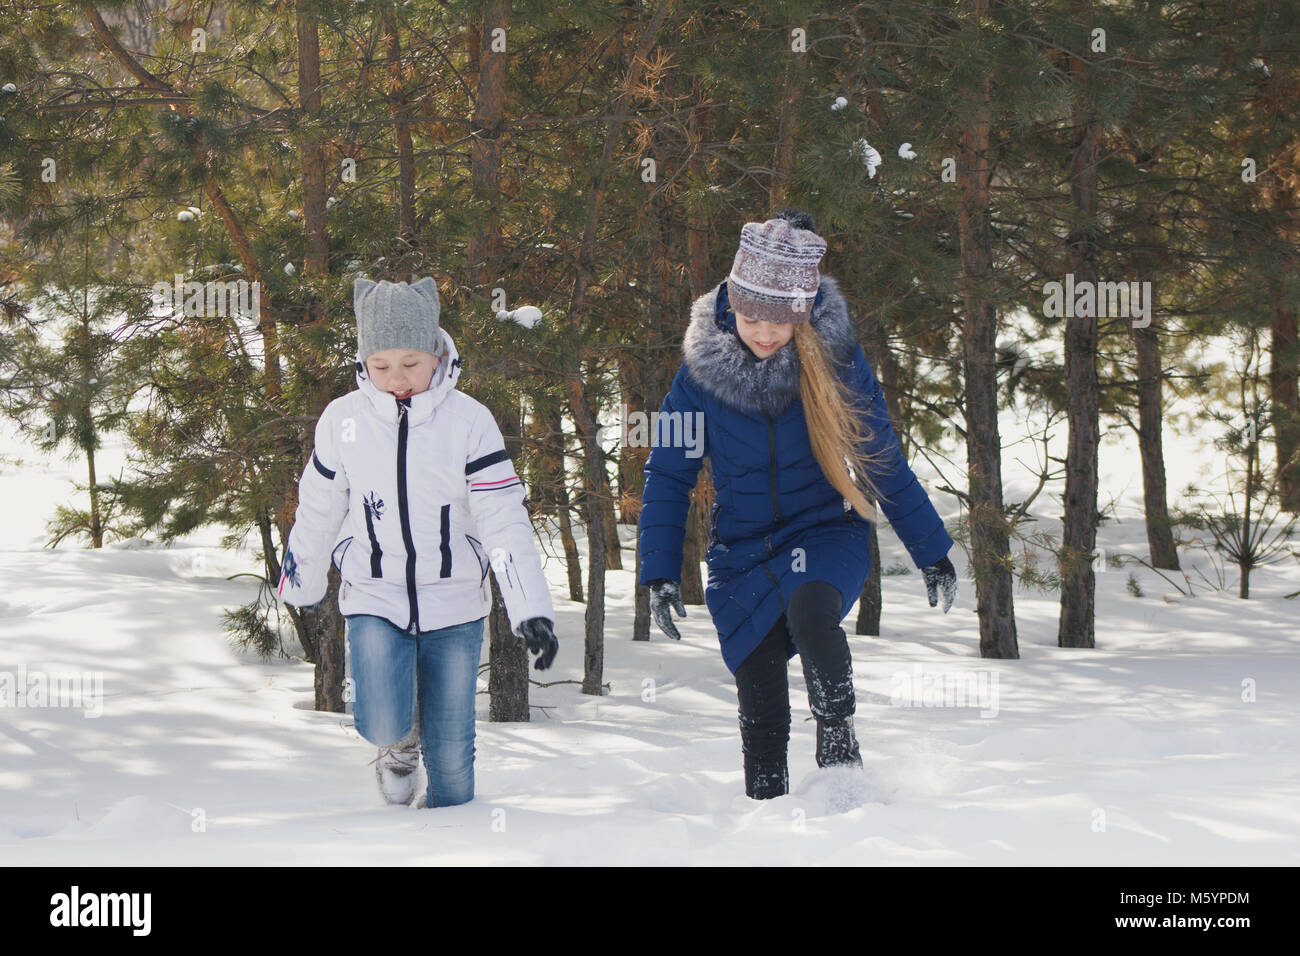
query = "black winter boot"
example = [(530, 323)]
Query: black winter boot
[(837, 744), (766, 776)]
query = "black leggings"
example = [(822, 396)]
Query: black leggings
[(763, 691)]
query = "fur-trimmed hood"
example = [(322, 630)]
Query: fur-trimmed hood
[(724, 366)]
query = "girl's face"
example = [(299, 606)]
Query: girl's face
[(762, 337), (401, 371)]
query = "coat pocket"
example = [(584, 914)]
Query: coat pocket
[(344, 544), (481, 553)]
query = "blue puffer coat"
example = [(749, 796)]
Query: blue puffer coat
[(777, 522)]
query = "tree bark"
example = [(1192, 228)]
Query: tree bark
[(1160, 536), (396, 93), (593, 658), (698, 227), (551, 465), (324, 626), (871, 601), (311, 149), (608, 519), (990, 548), (485, 147), (507, 665), (1284, 392), (1079, 530), (327, 624), (783, 151), (695, 545), (1150, 385), (508, 680)]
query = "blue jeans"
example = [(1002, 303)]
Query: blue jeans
[(434, 674)]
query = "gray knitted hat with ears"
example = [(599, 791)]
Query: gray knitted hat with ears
[(396, 315)]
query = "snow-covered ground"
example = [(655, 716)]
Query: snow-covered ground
[(1172, 742)]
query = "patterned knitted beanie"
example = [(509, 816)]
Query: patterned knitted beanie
[(774, 277)]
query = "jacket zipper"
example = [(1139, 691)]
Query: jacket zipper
[(407, 538)]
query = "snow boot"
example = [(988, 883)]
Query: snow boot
[(395, 769), (837, 744), (766, 775)]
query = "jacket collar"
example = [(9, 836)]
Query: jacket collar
[(724, 366), (421, 405)]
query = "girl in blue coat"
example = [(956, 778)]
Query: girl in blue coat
[(775, 380)]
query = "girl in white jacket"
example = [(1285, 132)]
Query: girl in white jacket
[(411, 494)]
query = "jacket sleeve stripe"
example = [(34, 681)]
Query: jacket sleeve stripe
[(510, 482), (320, 467), (478, 464)]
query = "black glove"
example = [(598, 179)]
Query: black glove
[(664, 596), (941, 574), (541, 640)]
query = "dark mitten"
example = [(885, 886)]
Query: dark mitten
[(541, 640), (664, 597), (939, 575)]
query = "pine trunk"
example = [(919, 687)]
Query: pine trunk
[(1150, 387), (312, 152), (697, 224), (485, 147), (609, 519), (875, 348), (989, 536), (396, 94), (508, 680), (1079, 530), (695, 544), (323, 624), (594, 619), (641, 609), (870, 602), (326, 626), (555, 478), (507, 665), (1284, 390), (1245, 552), (1160, 535)]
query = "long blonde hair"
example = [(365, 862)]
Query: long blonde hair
[(838, 435)]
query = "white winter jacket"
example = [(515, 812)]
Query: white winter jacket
[(413, 507)]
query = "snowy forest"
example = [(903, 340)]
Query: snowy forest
[(1067, 232)]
